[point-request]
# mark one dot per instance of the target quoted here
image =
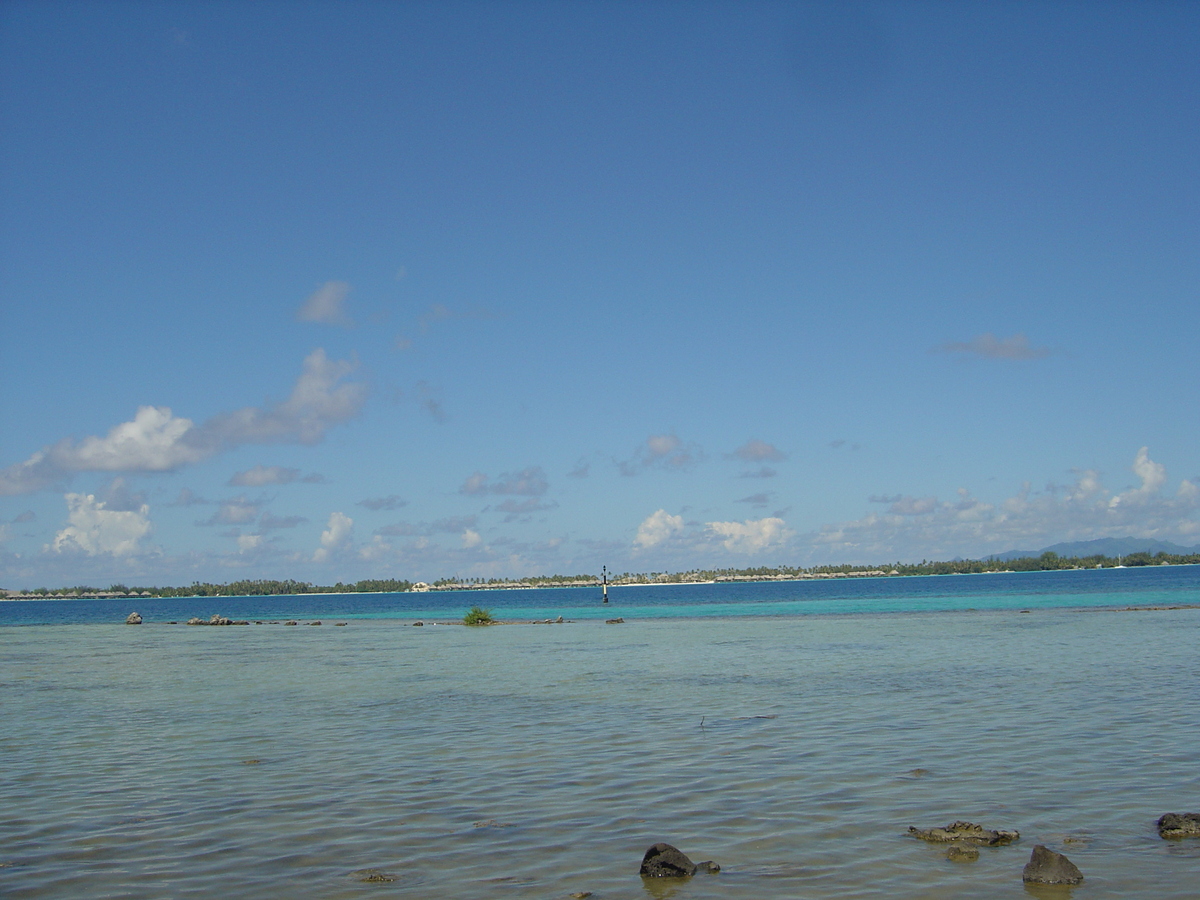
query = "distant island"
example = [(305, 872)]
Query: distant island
[(1151, 553)]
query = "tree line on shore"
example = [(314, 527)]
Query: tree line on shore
[(244, 588), (1048, 561)]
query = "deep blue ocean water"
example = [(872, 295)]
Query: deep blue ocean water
[(1150, 585)]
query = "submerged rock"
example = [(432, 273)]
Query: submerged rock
[(962, 853), (418, 624), (215, 620), (1047, 867), (665, 861), (133, 619), (373, 876), (1179, 825), (614, 621), (964, 833), (291, 622)]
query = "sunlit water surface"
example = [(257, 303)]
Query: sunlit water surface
[(540, 760)]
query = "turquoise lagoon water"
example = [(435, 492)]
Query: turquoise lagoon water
[(791, 732), (1084, 587)]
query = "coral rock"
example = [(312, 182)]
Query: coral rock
[(665, 861), (1179, 825), (964, 833), (1047, 867)]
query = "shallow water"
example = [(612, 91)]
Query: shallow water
[(535, 761)]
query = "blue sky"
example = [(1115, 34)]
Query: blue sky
[(339, 291)]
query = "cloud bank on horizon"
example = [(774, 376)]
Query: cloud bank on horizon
[(652, 255)]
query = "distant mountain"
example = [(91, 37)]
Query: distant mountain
[(1101, 547)]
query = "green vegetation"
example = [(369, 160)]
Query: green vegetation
[(530, 580), (257, 588), (479, 616)]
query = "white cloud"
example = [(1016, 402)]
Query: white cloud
[(336, 533), (391, 501), (187, 497), (760, 472), (439, 312), (988, 347), (436, 313), (269, 522), (95, 529), (429, 398), (262, 475), (1153, 475), (325, 304), (658, 527), (318, 401), (248, 542), (119, 496), (237, 511), (913, 506), (376, 550), (517, 509), (664, 451), (530, 482), (660, 445), (925, 527), (757, 451), (158, 441), (451, 525), (752, 535), (476, 483), (756, 499), (471, 539)]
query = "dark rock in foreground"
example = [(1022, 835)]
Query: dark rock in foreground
[(664, 861), (1179, 825), (964, 833), (133, 619), (614, 621), (1047, 867)]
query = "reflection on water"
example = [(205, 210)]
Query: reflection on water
[(530, 761)]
